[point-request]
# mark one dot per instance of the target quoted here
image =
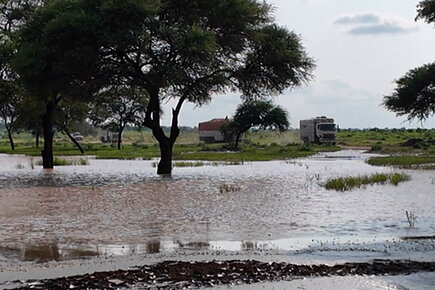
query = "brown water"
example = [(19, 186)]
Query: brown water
[(114, 207)]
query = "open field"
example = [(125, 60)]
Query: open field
[(258, 146), (389, 141), (409, 147)]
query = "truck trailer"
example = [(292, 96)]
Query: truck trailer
[(319, 130)]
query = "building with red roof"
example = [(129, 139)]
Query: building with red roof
[(210, 131)]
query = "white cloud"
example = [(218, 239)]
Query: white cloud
[(358, 18), (375, 24)]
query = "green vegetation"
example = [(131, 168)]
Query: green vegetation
[(385, 138), (257, 146), (404, 161), (348, 183)]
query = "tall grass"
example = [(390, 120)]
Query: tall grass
[(64, 162), (348, 183)]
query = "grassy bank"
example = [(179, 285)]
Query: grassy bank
[(404, 161), (348, 183), (390, 141)]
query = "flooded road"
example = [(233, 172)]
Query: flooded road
[(121, 208)]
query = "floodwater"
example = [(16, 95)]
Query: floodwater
[(118, 209)]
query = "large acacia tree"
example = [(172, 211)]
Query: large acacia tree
[(171, 49), (414, 94), (190, 50)]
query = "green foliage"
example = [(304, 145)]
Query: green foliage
[(348, 183), (415, 94), (189, 149), (426, 11), (177, 49), (384, 140)]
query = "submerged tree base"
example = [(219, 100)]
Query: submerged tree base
[(347, 183)]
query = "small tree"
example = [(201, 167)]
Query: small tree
[(66, 116), (118, 106), (10, 99), (56, 60), (257, 113)]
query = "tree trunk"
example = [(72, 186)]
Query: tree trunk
[(120, 137), (239, 134), (11, 139), (74, 141), (165, 164), (37, 139), (47, 130)]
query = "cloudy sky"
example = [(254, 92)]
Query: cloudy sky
[(360, 48)]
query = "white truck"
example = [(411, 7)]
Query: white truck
[(109, 137), (319, 130)]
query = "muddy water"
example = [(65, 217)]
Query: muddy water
[(114, 207)]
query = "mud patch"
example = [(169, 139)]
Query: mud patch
[(181, 275)]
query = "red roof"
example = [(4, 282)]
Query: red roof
[(212, 125)]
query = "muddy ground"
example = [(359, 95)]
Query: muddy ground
[(182, 275)]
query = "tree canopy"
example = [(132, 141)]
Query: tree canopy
[(169, 49), (426, 11), (414, 94), (256, 113)]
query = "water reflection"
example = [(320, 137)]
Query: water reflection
[(113, 207), (45, 253)]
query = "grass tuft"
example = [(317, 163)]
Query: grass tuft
[(63, 162), (224, 188), (348, 183)]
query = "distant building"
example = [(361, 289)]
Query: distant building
[(210, 131)]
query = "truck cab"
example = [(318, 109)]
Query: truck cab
[(325, 133)]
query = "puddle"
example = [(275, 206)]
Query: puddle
[(121, 208)]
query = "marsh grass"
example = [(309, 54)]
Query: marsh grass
[(348, 183), (404, 161), (64, 162)]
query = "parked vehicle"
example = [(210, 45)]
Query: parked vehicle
[(109, 137), (319, 130), (77, 136)]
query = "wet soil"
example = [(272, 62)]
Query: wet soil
[(182, 275)]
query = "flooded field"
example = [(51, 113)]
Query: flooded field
[(120, 211)]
